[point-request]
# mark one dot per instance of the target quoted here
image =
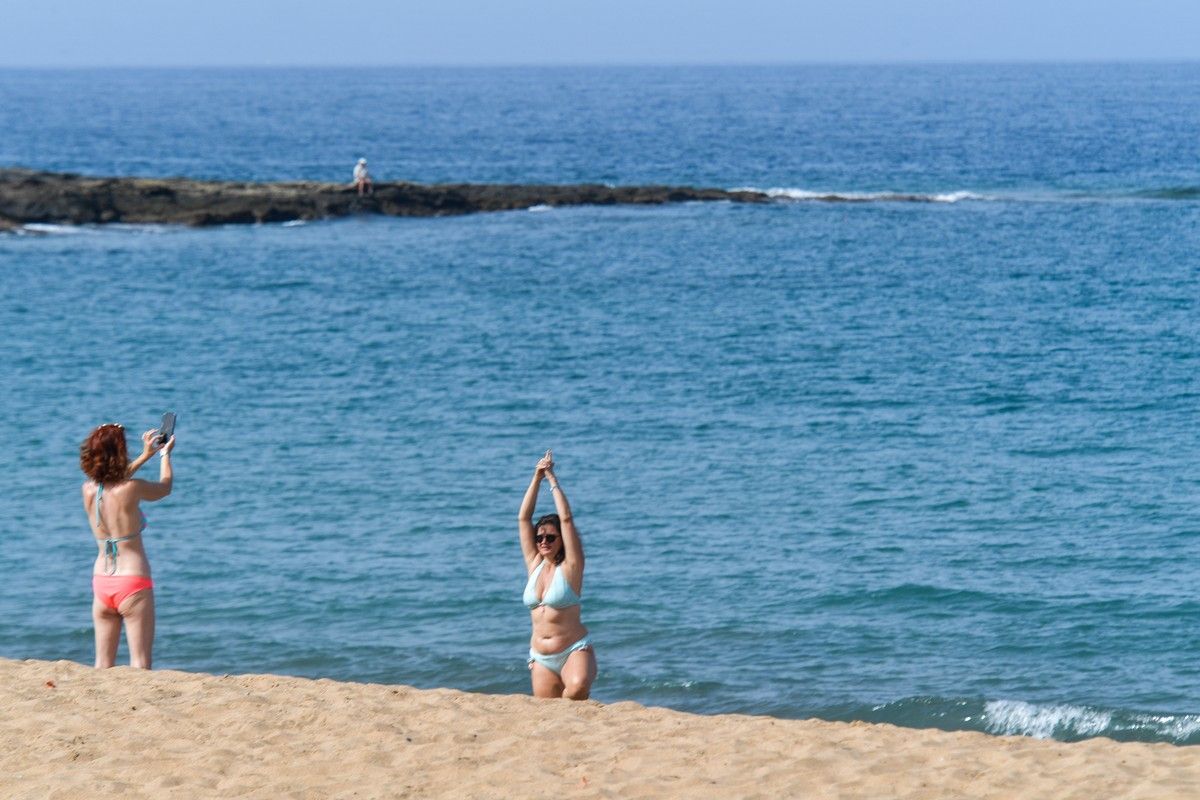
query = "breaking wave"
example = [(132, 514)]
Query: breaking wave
[(1061, 721), (1170, 193), (783, 193)]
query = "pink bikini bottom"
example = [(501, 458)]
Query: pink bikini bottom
[(112, 590)]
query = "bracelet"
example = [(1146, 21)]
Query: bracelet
[(553, 488)]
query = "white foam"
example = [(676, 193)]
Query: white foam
[(152, 228), (954, 197), (1177, 726), (1015, 717), (118, 228), (789, 193), (52, 229), (293, 223), (540, 207)]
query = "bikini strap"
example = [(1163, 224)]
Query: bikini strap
[(110, 544), (99, 495)]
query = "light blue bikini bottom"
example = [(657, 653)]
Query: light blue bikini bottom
[(555, 661)]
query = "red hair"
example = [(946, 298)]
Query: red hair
[(103, 456)]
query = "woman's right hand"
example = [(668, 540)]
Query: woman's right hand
[(546, 464), (169, 446)]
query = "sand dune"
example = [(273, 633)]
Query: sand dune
[(68, 731)]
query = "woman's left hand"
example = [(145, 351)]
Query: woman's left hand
[(150, 443)]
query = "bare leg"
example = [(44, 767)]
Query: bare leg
[(578, 674), (108, 633), (138, 611), (545, 682)]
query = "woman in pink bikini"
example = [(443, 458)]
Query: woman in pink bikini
[(121, 586)]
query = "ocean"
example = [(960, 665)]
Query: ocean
[(913, 444)]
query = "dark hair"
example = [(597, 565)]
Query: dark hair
[(552, 519), (103, 456)]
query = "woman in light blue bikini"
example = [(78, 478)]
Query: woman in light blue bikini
[(561, 660)]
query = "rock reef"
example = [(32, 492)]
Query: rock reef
[(28, 196)]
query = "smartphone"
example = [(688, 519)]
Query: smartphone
[(167, 429)]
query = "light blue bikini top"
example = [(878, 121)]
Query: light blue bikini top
[(110, 545), (559, 593)]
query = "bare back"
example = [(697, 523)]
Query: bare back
[(120, 517)]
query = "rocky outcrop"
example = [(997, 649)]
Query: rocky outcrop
[(28, 196)]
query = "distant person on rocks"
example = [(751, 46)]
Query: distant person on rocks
[(561, 660), (122, 590), (362, 178)]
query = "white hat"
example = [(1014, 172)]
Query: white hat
[(362, 161)]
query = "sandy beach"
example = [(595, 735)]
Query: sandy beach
[(69, 731)]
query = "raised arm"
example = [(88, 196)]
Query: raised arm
[(572, 545), (157, 490), (525, 515)]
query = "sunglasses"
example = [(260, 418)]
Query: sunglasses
[(548, 538)]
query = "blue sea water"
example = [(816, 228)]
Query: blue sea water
[(928, 463)]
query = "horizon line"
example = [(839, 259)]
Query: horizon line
[(626, 64)]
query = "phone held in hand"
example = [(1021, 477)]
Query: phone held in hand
[(167, 429)]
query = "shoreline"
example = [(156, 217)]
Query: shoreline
[(30, 196), (68, 730)]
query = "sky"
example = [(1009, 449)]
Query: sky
[(108, 33)]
